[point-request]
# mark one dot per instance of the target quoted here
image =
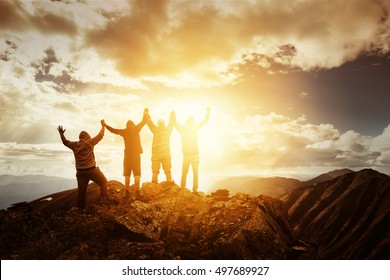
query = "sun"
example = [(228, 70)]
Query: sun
[(211, 137)]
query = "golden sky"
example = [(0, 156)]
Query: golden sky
[(295, 87)]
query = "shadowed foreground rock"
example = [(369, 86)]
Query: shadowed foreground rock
[(162, 222)]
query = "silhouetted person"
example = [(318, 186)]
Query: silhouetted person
[(133, 149), (87, 170), (161, 152), (189, 140)]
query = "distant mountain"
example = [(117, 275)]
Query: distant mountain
[(328, 176), (14, 189), (347, 217), (271, 186)]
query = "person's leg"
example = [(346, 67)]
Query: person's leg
[(155, 169), (168, 176), (137, 182), (166, 164), (127, 182), (137, 171), (184, 171), (195, 169), (126, 171), (82, 184), (98, 177)]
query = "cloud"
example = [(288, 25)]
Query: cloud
[(50, 69), (12, 16), (187, 44), (275, 141), (257, 144), (20, 15), (73, 63), (9, 50), (160, 38)]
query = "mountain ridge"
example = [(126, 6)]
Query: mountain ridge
[(272, 186), (343, 214), (164, 221), (346, 217)]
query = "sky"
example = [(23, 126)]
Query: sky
[(295, 88)]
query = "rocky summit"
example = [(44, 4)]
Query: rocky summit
[(345, 217), (162, 221)]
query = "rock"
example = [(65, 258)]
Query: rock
[(162, 221), (220, 195)]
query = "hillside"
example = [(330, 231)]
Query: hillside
[(328, 176), (163, 222), (271, 186), (347, 217)]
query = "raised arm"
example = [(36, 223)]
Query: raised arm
[(145, 118), (174, 121), (111, 129), (61, 131), (100, 135), (206, 119), (151, 125)]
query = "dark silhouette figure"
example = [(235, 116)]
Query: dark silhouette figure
[(133, 149), (189, 140), (83, 151), (161, 152)]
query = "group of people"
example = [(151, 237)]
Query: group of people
[(83, 151)]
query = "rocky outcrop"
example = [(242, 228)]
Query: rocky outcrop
[(347, 217), (163, 221)]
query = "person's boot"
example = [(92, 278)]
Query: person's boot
[(155, 178), (169, 178), (137, 181)]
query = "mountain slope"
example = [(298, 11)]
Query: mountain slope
[(328, 176), (271, 186), (347, 217), (162, 222)]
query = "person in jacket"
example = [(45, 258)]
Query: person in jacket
[(133, 149), (161, 151), (189, 140), (86, 168)]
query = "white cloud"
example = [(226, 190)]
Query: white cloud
[(109, 52), (107, 40)]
